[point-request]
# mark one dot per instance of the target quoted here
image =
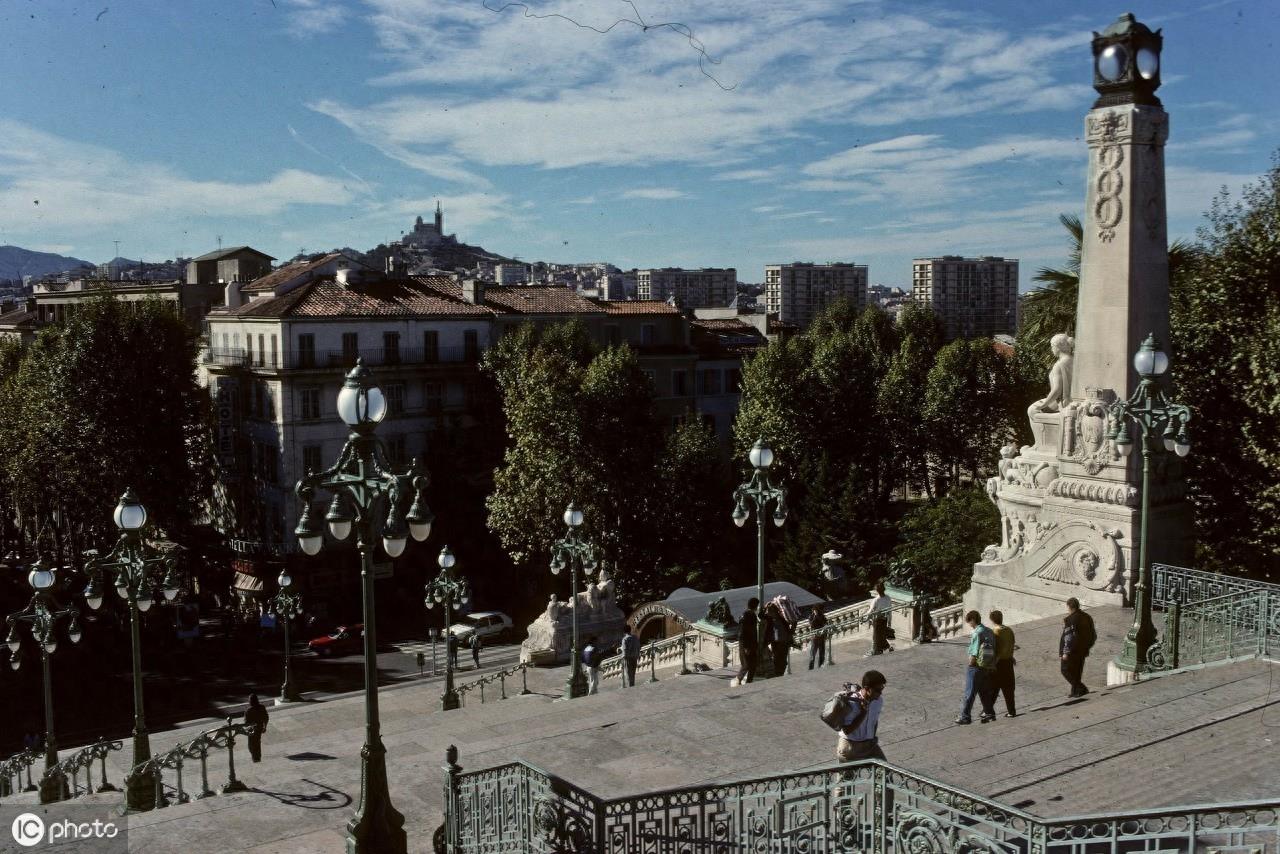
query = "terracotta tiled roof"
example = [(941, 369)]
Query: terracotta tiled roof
[(725, 324), (376, 297), (285, 273), (639, 307), (523, 299)]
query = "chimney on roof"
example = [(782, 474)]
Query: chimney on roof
[(391, 265), (231, 297), (343, 276), (473, 291)]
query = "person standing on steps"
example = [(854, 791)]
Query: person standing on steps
[(591, 655), (818, 638), (881, 610), (980, 674), (1078, 637), (476, 644), (780, 633), (256, 715), (1004, 662), (629, 649), (748, 644)]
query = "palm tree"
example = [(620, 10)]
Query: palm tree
[(1051, 307)]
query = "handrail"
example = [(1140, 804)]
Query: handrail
[(12, 768), (501, 678), (82, 759), (664, 650), (1244, 623), (223, 737), (1184, 585)]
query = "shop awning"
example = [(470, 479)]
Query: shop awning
[(246, 583)]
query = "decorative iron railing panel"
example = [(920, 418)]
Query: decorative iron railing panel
[(864, 807), (1180, 584)]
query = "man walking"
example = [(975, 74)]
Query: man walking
[(1077, 639), (980, 673), (1004, 662), (591, 660), (630, 650), (858, 735), (881, 610), (476, 644), (256, 715), (748, 644), (818, 637)]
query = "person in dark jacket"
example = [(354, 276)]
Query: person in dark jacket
[(817, 640), (748, 644), (1073, 646), (256, 715), (779, 632), (451, 648), (629, 649)]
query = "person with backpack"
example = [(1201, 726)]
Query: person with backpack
[(1078, 638), (1004, 662), (859, 724), (748, 644), (980, 674), (629, 649), (591, 661), (818, 638)]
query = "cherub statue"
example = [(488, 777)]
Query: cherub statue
[(1063, 346)]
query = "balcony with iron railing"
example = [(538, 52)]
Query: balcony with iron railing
[(321, 360)]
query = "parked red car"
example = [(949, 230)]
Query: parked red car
[(344, 640)]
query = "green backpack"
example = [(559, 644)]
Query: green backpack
[(986, 648)]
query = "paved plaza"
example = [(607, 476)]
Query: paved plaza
[(1201, 736)]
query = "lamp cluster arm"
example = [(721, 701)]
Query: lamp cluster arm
[(287, 603), (1149, 408), (759, 491), (446, 589), (139, 574), (42, 614), (573, 551)]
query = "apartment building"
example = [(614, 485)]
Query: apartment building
[(974, 297), (703, 288), (796, 293)]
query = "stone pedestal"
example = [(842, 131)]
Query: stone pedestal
[(550, 639)]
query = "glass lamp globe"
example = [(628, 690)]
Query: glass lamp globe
[(12, 641), (761, 455), (144, 600), (130, 515), (361, 404), (338, 518), (1150, 360), (73, 632), (572, 516), (284, 580), (15, 662), (93, 596), (429, 602), (394, 546), (40, 577), (779, 516), (446, 559), (1182, 444), (419, 519), (739, 515), (1148, 62), (1112, 62), (51, 646)]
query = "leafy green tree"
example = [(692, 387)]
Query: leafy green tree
[(965, 409), (900, 399), (1226, 365), (940, 541), (105, 400)]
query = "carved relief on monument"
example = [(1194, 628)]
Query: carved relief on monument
[(1083, 553), (1120, 494), (1085, 431), (1108, 210), (550, 635)]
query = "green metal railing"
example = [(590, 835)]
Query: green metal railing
[(222, 738), (501, 678), (869, 806), (1211, 618), (11, 770)]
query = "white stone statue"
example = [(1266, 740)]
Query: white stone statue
[(553, 609), (1063, 346)]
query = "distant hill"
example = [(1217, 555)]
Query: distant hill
[(16, 262)]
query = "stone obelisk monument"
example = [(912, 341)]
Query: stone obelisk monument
[(1069, 504)]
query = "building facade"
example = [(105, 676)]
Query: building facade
[(235, 264), (703, 288), (974, 297), (797, 293)]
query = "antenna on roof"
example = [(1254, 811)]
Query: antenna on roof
[(219, 242)]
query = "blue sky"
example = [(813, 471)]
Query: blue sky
[(811, 130)]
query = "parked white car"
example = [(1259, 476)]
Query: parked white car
[(490, 625)]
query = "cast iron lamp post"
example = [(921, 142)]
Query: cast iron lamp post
[(1162, 427), (43, 614), (368, 496), (452, 593), (286, 605), (578, 555), (142, 576), (760, 492)]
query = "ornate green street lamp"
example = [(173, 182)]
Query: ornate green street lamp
[(759, 492), (141, 576), (43, 614), (286, 605), (1162, 427), (370, 498), (451, 593), (577, 555)]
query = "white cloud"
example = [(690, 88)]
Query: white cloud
[(482, 88), (48, 183), (585, 200), (752, 175), (796, 215), (314, 17), (765, 209), (654, 193)]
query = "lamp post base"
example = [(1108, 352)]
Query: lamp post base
[(577, 685), (288, 694), (377, 827), (449, 701), (140, 791)]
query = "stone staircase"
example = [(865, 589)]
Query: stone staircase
[(1060, 756)]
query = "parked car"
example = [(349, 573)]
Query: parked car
[(344, 640), (490, 625)]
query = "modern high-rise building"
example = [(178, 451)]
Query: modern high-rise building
[(975, 297), (797, 292), (709, 287)]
